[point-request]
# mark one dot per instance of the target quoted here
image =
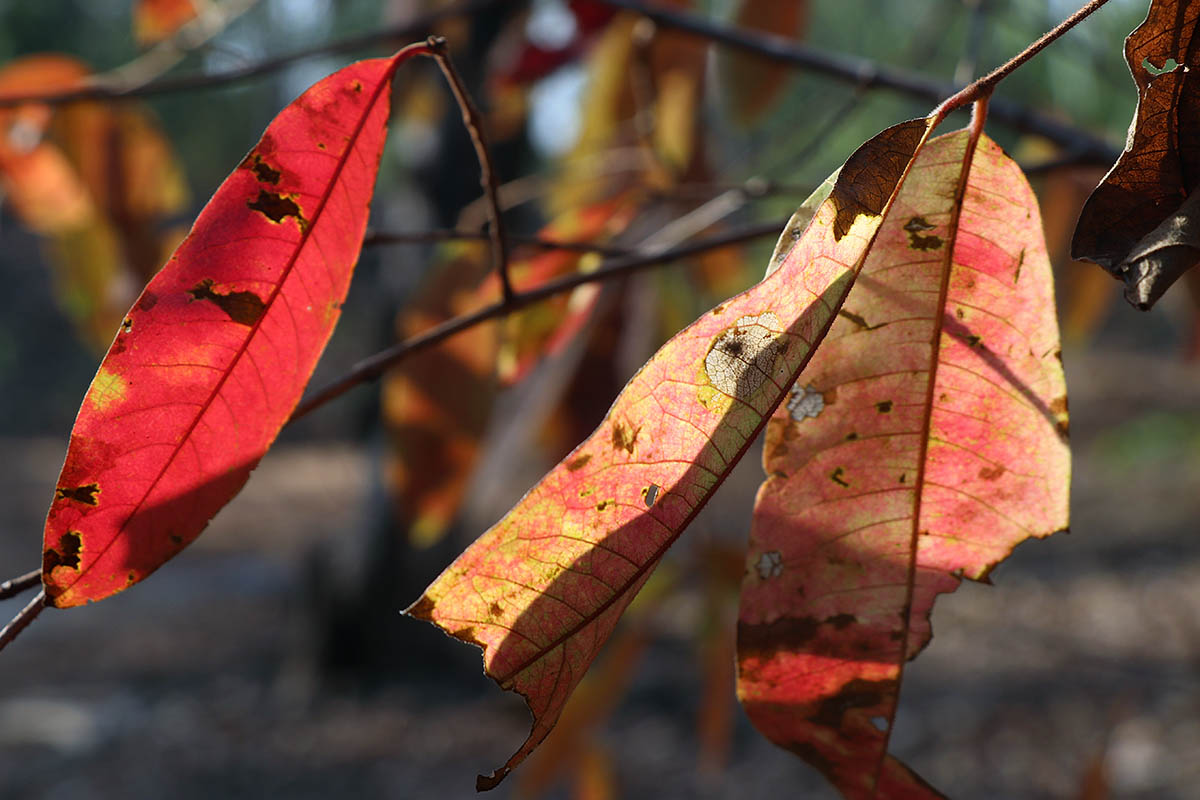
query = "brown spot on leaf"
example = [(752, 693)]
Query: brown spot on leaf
[(1063, 429), (176, 538), (277, 207), (126, 325), (604, 505), (356, 85), (147, 301), (857, 693), (903, 477), (1059, 405), (244, 308), (836, 477), (65, 555), (261, 169), (718, 310), (578, 463), (973, 341), (958, 312), (841, 621), (265, 173), (869, 177), (1020, 263), (884, 407), (785, 634), (624, 437), (495, 610), (991, 473), (80, 494), (918, 241), (851, 436)]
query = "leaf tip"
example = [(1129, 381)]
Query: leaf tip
[(485, 783), (421, 609)]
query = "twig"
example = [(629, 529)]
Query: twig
[(984, 86), (871, 75), (371, 368), (377, 238), (487, 168), (14, 586), (186, 83), (21, 621)]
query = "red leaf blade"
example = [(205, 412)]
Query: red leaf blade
[(922, 443), (217, 350)]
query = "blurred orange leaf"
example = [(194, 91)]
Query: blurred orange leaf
[(155, 20)]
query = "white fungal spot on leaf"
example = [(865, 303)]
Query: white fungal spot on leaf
[(743, 356), (770, 564), (805, 401)]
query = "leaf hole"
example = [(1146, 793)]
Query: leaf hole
[(1170, 65)]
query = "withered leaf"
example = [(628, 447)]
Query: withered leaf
[(1137, 224)]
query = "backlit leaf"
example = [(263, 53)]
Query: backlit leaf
[(213, 357), (1142, 223), (541, 590), (924, 441)]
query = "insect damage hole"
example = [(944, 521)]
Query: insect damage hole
[(742, 357), (770, 564), (805, 401)]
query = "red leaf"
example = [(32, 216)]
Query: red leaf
[(921, 444), (541, 590), (217, 350)]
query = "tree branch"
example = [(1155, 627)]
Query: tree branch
[(985, 85), (14, 586), (871, 75), (378, 238), (371, 368), (21, 621), (416, 28), (473, 120)]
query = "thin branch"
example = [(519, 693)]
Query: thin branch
[(985, 85), (872, 75), (371, 368), (21, 621), (377, 238), (14, 586), (158, 60), (487, 168), (414, 28)]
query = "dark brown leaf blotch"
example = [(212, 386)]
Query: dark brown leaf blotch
[(869, 178), (80, 494), (244, 308), (277, 207)]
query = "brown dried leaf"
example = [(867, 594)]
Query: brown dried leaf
[(1138, 224)]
